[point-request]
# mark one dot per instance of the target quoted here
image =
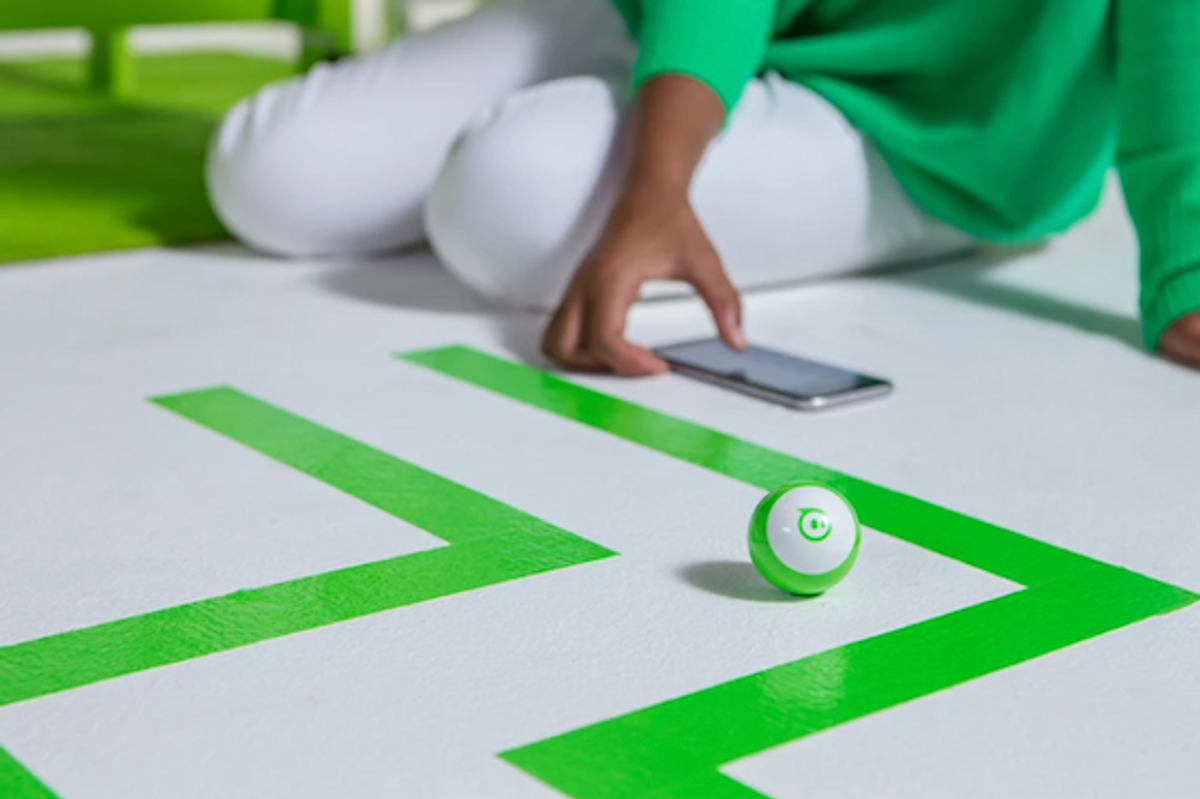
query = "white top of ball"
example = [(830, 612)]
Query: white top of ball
[(811, 530)]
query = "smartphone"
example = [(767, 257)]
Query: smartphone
[(772, 375)]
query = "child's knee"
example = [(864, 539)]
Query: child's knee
[(254, 184), (526, 190), (288, 176)]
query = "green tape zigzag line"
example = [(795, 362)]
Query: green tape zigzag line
[(489, 543), (675, 749)]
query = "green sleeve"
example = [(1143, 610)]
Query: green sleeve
[(719, 42), (1158, 51)]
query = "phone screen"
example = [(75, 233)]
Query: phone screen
[(768, 369)]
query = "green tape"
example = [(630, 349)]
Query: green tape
[(674, 749), (17, 783), (659, 750), (455, 514), (490, 543)]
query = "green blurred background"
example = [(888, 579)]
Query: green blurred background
[(91, 160)]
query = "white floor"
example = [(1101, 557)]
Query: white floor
[(1023, 399)]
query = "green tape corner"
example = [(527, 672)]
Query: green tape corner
[(677, 748), (488, 543)]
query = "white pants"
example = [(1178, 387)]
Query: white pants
[(499, 139)]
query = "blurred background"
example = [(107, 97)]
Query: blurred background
[(106, 106)]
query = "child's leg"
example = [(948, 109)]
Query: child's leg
[(788, 191), (339, 161)]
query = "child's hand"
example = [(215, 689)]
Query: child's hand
[(647, 238), (652, 234), (1181, 342)]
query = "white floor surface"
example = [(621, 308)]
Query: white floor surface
[(1024, 399)]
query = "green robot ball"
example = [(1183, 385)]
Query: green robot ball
[(804, 538)]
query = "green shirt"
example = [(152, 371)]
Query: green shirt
[(1000, 117)]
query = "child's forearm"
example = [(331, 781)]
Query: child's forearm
[(675, 119)]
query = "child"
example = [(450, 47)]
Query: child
[(561, 153)]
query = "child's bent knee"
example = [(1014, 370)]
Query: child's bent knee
[(296, 181), (526, 190), (252, 190)]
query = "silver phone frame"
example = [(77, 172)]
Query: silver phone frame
[(811, 403)]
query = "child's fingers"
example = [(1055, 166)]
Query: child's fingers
[(563, 340), (605, 331)]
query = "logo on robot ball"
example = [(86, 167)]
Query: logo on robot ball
[(814, 524)]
